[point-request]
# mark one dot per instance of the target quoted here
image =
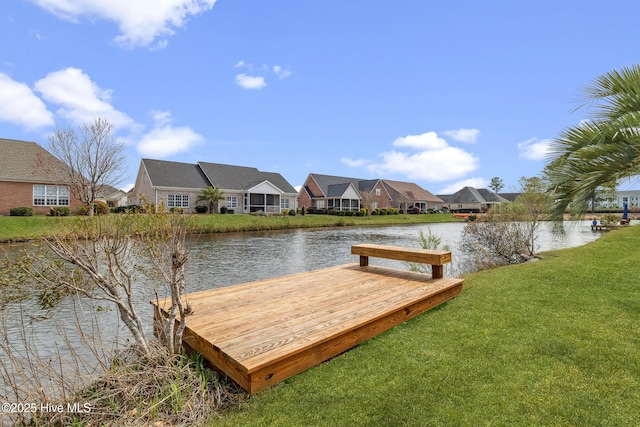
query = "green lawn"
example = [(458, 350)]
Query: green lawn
[(17, 228), (14, 228), (550, 343)]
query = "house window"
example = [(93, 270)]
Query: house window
[(284, 203), (232, 202), (178, 201), (320, 204), (50, 195), (378, 192)]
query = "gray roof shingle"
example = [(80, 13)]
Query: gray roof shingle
[(472, 195), (28, 161), (230, 177), (164, 173)]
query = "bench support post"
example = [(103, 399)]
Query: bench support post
[(437, 271), (364, 260)]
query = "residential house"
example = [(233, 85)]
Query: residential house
[(111, 196), (471, 200), (629, 197), (411, 195), (31, 176), (178, 185), (344, 193)]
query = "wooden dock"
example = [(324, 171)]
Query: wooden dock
[(263, 332)]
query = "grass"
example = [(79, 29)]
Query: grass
[(549, 343), (21, 228), (13, 228)]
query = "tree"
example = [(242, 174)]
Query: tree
[(102, 259), (212, 195), (367, 199), (507, 234), (496, 184), (534, 203), (93, 156), (600, 150)]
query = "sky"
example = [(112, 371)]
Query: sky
[(443, 94)]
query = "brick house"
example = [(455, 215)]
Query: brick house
[(178, 185), (343, 193), (31, 176)]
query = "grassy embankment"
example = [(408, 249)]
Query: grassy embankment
[(14, 228), (553, 342)]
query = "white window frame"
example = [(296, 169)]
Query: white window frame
[(232, 202), (178, 200), (50, 195), (284, 203)]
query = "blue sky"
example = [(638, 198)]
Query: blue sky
[(444, 94)]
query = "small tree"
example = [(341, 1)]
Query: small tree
[(404, 199), (367, 197), (93, 157), (101, 258), (534, 203), (507, 234), (496, 184), (212, 195)]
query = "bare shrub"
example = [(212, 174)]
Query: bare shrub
[(107, 266)]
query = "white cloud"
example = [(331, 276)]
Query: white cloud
[(161, 118), (80, 99), (250, 82), (354, 163), (425, 141), (19, 105), (430, 158), (471, 182), (534, 149), (165, 140), (431, 165), (141, 22), (282, 73), (239, 64), (463, 135)]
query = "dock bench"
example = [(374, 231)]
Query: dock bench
[(436, 258)]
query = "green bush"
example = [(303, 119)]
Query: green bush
[(201, 209), (176, 210), (59, 211), (129, 209), (21, 211), (292, 212)]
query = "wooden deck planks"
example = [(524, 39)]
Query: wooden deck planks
[(263, 332)]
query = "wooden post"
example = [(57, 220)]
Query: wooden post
[(437, 271), (364, 260)]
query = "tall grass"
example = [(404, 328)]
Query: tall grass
[(554, 342)]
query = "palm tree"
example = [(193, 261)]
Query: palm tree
[(212, 195), (601, 150)]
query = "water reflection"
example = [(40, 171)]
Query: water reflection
[(226, 259)]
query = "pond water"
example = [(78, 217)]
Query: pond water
[(223, 260), (219, 260)]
